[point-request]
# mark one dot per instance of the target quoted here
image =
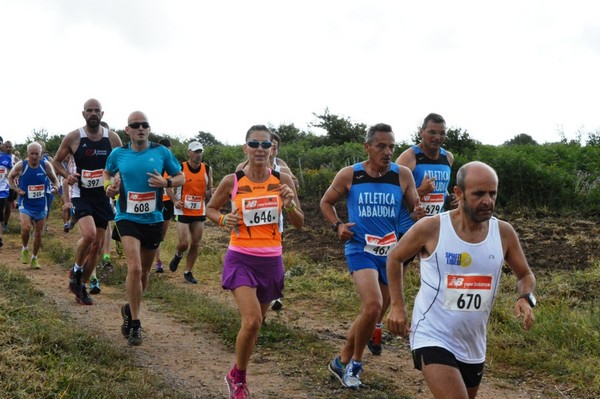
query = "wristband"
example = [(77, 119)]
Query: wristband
[(221, 218), (291, 207), (106, 184), (169, 183)]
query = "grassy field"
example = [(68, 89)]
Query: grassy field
[(43, 354)]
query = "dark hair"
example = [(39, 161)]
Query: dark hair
[(165, 142), (435, 118), (257, 128), (275, 137), (380, 127)]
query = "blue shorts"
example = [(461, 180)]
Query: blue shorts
[(265, 273), (34, 215), (363, 260)]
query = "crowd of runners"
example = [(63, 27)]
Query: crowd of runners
[(397, 210)]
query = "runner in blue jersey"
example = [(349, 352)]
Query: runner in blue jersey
[(140, 166), (374, 191), (89, 145), (32, 174), (6, 165), (431, 166)]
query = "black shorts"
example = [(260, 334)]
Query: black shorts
[(189, 219), (149, 235), (168, 210), (12, 195), (101, 211), (471, 373), (2, 204)]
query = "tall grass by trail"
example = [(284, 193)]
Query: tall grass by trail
[(562, 348), (43, 354)]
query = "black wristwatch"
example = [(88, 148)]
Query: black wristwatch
[(334, 226), (169, 183), (530, 298)]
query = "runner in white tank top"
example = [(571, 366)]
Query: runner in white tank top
[(461, 254)]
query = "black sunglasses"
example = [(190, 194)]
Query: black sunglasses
[(256, 144), (136, 125)]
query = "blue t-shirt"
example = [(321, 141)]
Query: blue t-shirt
[(374, 205), (138, 202)]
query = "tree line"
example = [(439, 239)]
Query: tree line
[(553, 178)]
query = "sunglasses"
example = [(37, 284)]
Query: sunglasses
[(256, 144), (136, 125)]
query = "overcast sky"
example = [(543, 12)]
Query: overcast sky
[(496, 69)]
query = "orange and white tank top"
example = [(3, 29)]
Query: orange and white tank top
[(259, 207), (193, 192)]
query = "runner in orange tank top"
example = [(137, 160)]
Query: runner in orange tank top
[(190, 209), (253, 265)]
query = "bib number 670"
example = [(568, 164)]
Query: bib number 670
[(469, 301)]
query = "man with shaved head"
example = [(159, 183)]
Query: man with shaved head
[(461, 256), (90, 146), (140, 166)]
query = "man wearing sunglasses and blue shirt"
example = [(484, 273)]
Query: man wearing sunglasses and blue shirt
[(140, 166), (90, 146)]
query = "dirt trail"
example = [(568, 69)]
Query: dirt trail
[(195, 361)]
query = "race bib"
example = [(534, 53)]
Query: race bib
[(468, 292), (3, 172), (433, 203), (92, 178), (261, 210), (193, 202), (140, 203), (380, 246), (36, 191)]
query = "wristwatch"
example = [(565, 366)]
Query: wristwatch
[(169, 183), (530, 298), (334, 226)]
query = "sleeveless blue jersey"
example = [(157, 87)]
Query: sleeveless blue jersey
[(374, 205), (433, 202), (33, 182)]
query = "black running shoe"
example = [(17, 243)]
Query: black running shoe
[(126, 326), (85, 298), (75, 284), (174, 264), (135, 335), (276, 304), (190, 278), (374, 344)]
